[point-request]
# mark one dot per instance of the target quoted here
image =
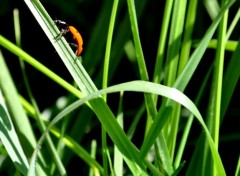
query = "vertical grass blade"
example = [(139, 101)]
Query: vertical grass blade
[(230, 80), (162, 41), (105, 77), (213, 118)]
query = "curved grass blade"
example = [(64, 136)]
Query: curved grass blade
[(136, 86)]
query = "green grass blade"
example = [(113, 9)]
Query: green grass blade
[(187, 37), (93, 171), (67, 140), (229, 46), (233, 25), (118, 159), (94, 52), (195, 58), (179, 10), (191, 66), (29, 59), (40, 123), (140, 57), (138, 47), (172, 62), (188, 126), (162, 41), (8, 134), (141, 86), (184, 56), (79, 150), (109, 44), (230, 80), (147, 87), (216, 91), (18, 115), (237, 173), (149, 100), (162, 149), (212, 7), (16, 109), (105, 77)]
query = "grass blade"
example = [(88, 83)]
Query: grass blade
[(8, 134)]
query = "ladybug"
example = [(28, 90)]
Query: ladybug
[(76, 36)]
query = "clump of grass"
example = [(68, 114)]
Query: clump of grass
[(156, 122)]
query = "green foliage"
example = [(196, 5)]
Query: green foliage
[(149, 136)]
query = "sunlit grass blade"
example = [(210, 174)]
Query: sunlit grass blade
[(170, 128), (10, 139), (229, 46), (187, 36), (36, 64), (184, 57), (237, 173), (14, 106), (233, 24), (137, 42), (118, 158), (79, 150), (18, 115), (149, 101), (162, 41), (140, 57), (108, 45), (93, 171), (67, 140), (189, 69), (139, 86), (196, 56), (212, 7), (8, 133), (105, 79), (40, 123), (186, 132), (213, 116)]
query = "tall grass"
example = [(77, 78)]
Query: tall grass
[(148, 135)]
